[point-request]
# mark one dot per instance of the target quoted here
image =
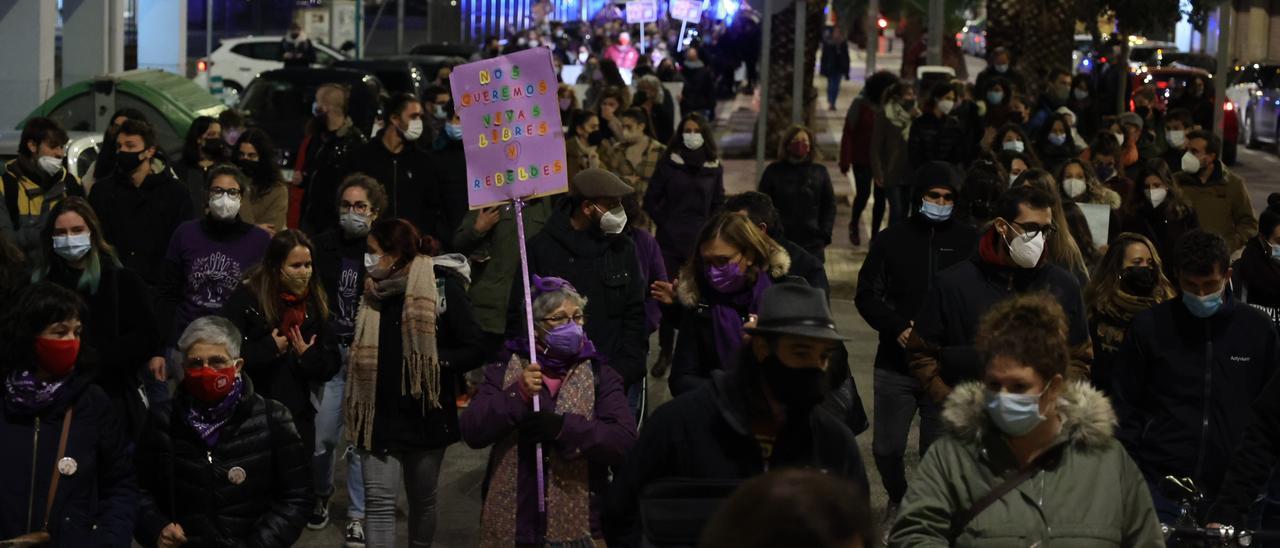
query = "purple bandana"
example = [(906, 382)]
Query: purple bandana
[(208, 421), (29, 395)]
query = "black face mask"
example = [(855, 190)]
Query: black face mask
[(797, 389), (1142, 111), (1138, 281), (213, 149), (126, 162), (596, 137), (253, 168)]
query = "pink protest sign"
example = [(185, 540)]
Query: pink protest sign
[(510, 127), (689, 11)]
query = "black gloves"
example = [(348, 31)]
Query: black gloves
[(540, 426)]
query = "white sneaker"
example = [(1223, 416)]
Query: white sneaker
[(355, 534)]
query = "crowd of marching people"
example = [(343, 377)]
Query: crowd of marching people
[(194, 344)]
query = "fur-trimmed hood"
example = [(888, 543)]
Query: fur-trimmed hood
[(1087, 417), (689, 293)]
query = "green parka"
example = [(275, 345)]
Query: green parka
[(1092, 496)]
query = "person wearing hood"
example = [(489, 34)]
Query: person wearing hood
[(140, 206), (1192, 367), (1256, 274), (202, 149), (449, 176), (267, 200), (403, 169), (768, 412), (1219, 196), (897, 275), (686, 189), (35, 181), (86, 469), (583, 243), (1011, 260), (296, 50), (1029, 456), (329, 143), (1161, 211), (209, 257), (1129, 279), (225, 465), (120, 322), (414, 336), (567, 404), (801, 190)]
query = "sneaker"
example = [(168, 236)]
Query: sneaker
[(319, 517), (886, 521), (355, 534)]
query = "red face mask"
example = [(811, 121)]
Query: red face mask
[(209, 385), (798, 149), (57, 357)]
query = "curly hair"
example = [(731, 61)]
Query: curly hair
[(1200, 253), (1030, 329)]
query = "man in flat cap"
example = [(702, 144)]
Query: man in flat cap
[(583, 243)]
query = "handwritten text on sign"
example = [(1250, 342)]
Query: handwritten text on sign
[(510, 127)]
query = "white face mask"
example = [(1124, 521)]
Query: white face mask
[(1025, 250), (1190, 163), (692, 141), (613, 221), (72, 247), (1156, 195), (1074, 187), (50, 164), (371, 260), (1176, 137), (1015, 146), (414, 131), (224, 207), (946, 105), (1119, 138)]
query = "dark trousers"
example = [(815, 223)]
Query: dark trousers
[(898, 396), (833, 89), (899, 203), (863, 186)]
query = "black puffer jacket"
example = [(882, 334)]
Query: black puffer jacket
[(935, 139), (96, 505), (189, 484), (805, 200), (899, 273), (326, 152), (1183, 386)]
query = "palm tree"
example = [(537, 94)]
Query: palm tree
[(782, 68)]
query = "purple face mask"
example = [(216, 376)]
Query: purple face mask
[(727, 278), (565, 341)]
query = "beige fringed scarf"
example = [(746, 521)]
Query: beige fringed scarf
[(420, 371)]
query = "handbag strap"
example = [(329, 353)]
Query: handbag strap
[(62, 452), (962, 519)]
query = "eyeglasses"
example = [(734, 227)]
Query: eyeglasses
[(232, 192), (215, 362), (358, 207), (1033, 229), (561, 319)]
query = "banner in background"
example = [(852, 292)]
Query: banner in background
[(642, 11), (689, 11)]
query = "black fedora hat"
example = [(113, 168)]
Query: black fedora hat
[(795, 309)]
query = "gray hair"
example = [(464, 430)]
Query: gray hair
[(214, 330), (652, 82), (547, 303)]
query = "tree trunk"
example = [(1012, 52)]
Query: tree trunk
[(1037, 33), (782, 69)]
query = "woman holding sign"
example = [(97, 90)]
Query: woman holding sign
[(583, 425)]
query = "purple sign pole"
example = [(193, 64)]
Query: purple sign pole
[(514, 147)]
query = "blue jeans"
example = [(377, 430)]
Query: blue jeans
[(833, 89), (897, 398), (329, 438)]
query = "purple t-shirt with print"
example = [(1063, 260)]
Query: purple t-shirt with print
[(212, 268)]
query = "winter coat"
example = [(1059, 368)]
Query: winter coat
[(190, 484), (604, 269), (698, 92), (339, 262), (1162, 227), (495, 259), (936, 139), (1223, 206), (652, 269), (29, 193), (407, 176), (857, 133), (266, 206), (695, 357), (898, 274), (139, 220), (193, 177), (284, 377), (603, 440), (805, 201), (706, 435), (1090, 495), (889, 162), (1183, 394), (1255, 279), (322, 160), (1252, 462), (680, 200), (805, 266), (940, 351), (401, 422), (835, 59), (96, 505)]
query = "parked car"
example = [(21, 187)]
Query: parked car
[(1080, 58), (169, 102), (1148, 54), (430, 63), (1255, 90), (1173, 81), (447, 50), (972, 39), (239, 60), (397, 76), (82, 149), (279, 102)]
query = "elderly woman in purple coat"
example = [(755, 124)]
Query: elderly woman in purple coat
[(584, 426)]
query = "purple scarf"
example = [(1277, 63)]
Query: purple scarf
[(29, 395), (208, 421), (553, 367), (726, 315)]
